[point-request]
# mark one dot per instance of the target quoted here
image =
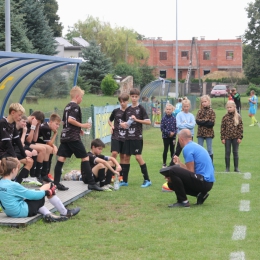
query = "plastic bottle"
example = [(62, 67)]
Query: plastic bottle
[(116, 183), (87, 132), (130, 121)]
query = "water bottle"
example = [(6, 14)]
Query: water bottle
[(87, 132), (129, 122), (116, 183)]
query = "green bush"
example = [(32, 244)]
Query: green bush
[(108, 85), (255, 81), (253, 87)]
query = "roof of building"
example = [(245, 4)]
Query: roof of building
[(63, 42), (80, 41)]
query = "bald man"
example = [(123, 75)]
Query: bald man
[(195, 177)]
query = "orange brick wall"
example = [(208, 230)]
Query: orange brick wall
[(217, 61)]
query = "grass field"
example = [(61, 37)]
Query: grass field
[(135, 223)]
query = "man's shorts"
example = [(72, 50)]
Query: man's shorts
[(77, 148), (133, 147), (117, 146)]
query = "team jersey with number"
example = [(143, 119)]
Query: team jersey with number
[(119, 133), (71, 132), (44, 133), (135, 131)]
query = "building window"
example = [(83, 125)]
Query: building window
[(163, 55), (179, 74), (206, 55), (185, 55), (193, 74), (163, 74), (80, 54), (229, 55), (205, 72)]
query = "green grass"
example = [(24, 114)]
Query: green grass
[(46, 104), (135, 223)]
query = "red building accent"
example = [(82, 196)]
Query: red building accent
[(213, 55)]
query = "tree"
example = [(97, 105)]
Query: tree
[(120, 44), (108, 85), (50, 10), (19, 39), (252, 34), (39, 32), (142, 74), (252, 41), (147, 74), (125, 69), (96, 67)]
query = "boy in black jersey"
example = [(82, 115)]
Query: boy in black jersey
[(118, 132), (236, 97), (9, 135), (134, 140), (45, 134), (71, 142), (42, 163), (101, 165), (22, 130)]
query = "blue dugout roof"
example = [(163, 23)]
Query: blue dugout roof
[(19, 71)]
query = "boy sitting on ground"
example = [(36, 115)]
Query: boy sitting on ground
[(102, 166)]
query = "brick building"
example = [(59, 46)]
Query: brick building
[(212, 55)]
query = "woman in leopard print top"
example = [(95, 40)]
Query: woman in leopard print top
[(231, 134), (205, 120)]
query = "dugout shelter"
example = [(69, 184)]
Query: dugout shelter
[(20, 71)]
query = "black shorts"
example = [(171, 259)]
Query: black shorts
[(77, 148), (133, 147), (18, 152), (117, 146), (34, 205)]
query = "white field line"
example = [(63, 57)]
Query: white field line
[(247, 175), (237, 256), (245, 188), (239, 233), (244, 205), (229, 172)]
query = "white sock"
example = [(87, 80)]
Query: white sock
[(185, 201), (44, 211), (56, 202)]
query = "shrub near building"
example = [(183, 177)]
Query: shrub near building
[(108, 85)]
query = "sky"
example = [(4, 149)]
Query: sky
[(214, 19)]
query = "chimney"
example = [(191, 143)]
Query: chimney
[(202, 38)]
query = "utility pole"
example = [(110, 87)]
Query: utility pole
[(176, 55), (126, 49), (7, 26)]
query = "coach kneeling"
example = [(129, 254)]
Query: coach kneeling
[(195, 177)]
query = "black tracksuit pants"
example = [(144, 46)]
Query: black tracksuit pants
[(184, 182)]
